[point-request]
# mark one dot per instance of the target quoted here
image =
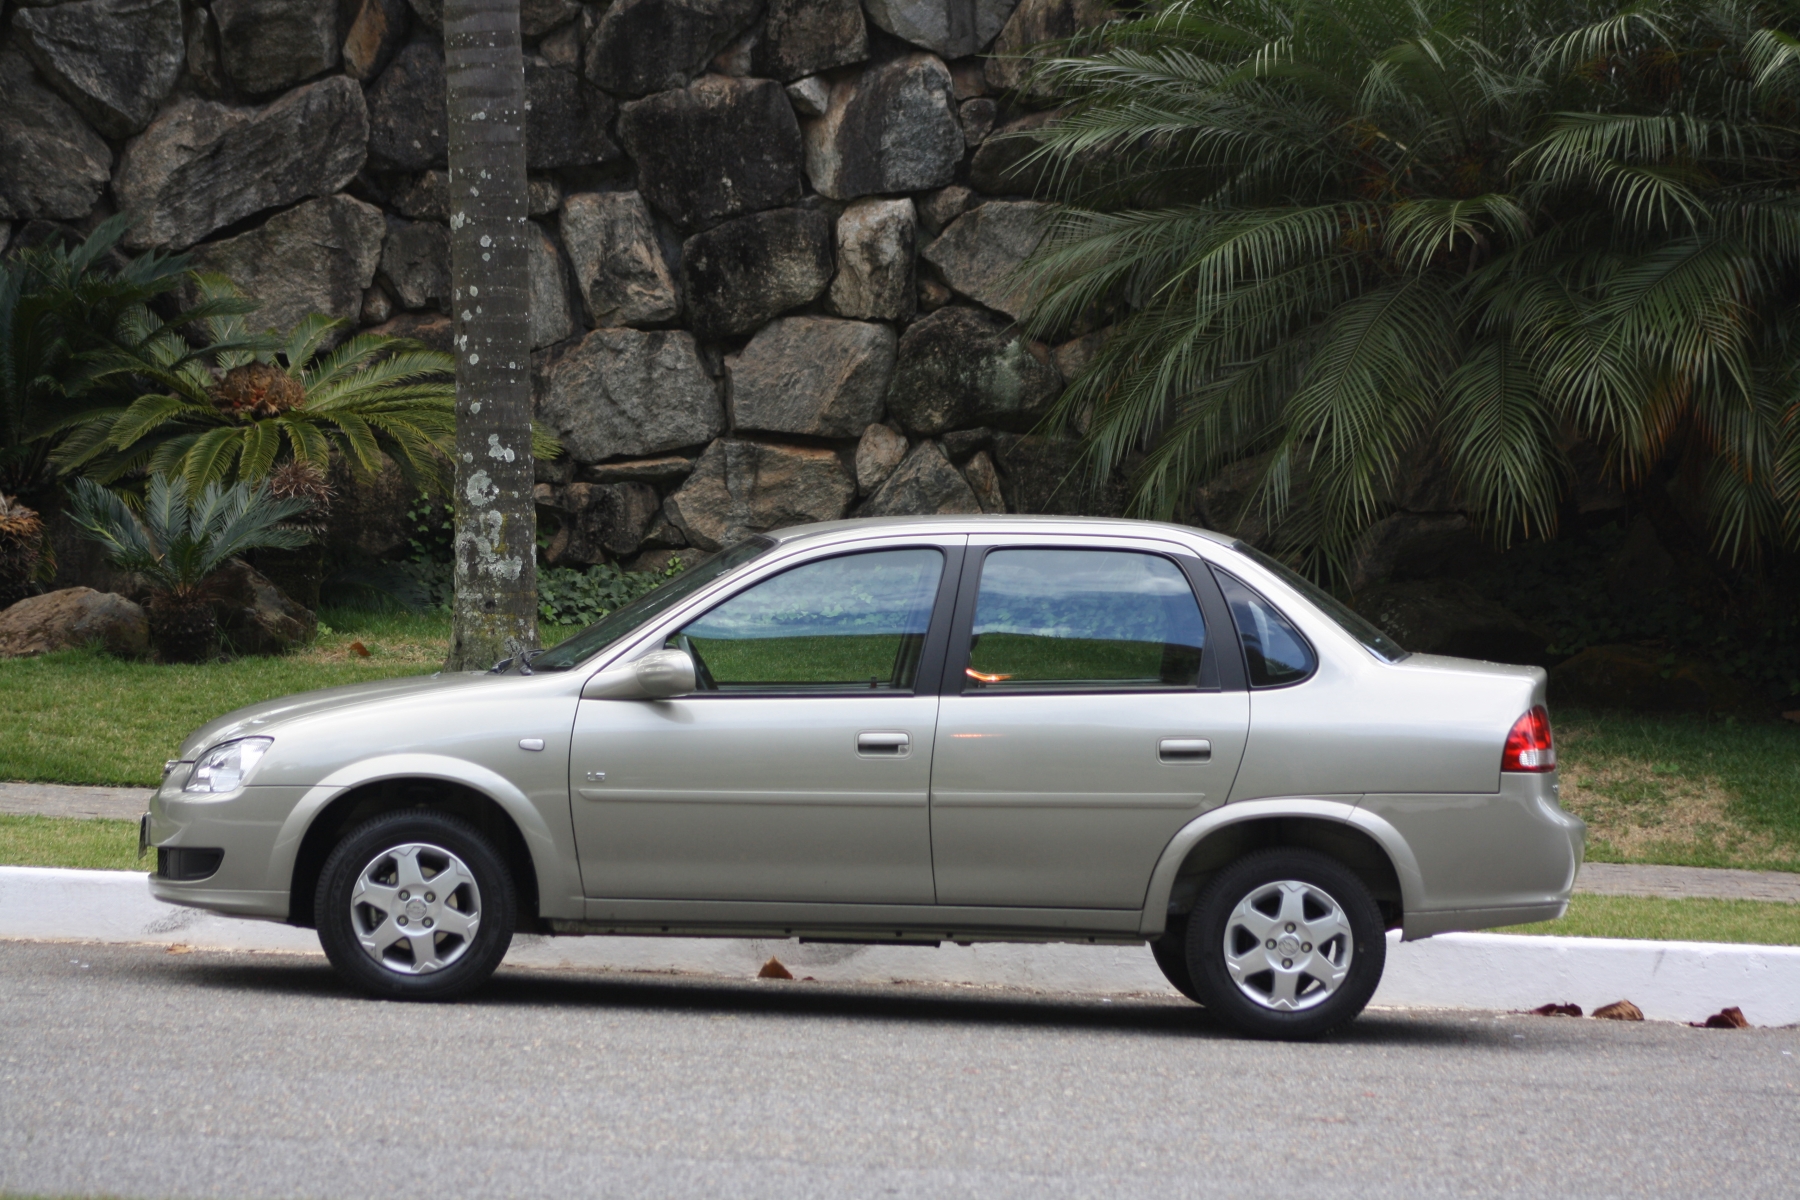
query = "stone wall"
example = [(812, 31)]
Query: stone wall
[(773, 240)]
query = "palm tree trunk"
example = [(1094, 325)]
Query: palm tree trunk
[(496, 531)]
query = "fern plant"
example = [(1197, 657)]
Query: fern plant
[(179, 544)]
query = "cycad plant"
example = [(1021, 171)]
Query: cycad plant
[(239, 404), (21, 549), (179, 544), (1342, 233)]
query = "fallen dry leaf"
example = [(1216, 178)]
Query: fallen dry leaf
[(360, 650), (1619, 1010), (1557, 1010), (1725, 1018), (1792, 716), (181, 948), (774, 970)]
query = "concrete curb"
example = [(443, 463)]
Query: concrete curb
[(1669, 981)]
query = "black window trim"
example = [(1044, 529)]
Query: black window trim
[(955, 683), (931, 654), (1243, 655)]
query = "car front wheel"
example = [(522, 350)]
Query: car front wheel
[(1286, 943), (415, 906)]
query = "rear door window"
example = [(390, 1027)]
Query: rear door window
[(1275, 653)]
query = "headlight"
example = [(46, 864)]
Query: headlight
[(222, 769)]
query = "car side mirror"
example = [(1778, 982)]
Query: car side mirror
[(659, 675)]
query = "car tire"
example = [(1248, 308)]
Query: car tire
[(1170, 952), (415, 905), (1286, 943)]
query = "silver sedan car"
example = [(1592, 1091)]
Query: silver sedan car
[(907, 730)]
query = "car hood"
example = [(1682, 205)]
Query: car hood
[(270, 715)]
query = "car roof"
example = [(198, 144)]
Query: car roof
[(993, 523)]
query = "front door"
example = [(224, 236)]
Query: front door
[(800, 770), (1089, 726)]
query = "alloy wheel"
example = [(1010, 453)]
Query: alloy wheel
[(1288, 946), (415, 908)]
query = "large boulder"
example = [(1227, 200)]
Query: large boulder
[(373, 514), (739, 488), (538, 17), (268, 46), (874, 277), (1407, 545), (319, 256), (201, 166), (1447, 616), (714, 150), (598, 520), (71, 618), (984, 481), (817, 376), (643, 46), (409, 121), (377, 30), (924, 483), (880, 450), (804, 37), (892, 128), (619, 264), (415, 263), (255, 616), (979, 254), (552, 316), (624, 393), (1041, 474), (433, 330), (114, 60), (1033, 23), (1229, 502), (738, 275), (566, 119), (1644, 679), (1005, 164), (952, 28), (55, 166), (959, 367)]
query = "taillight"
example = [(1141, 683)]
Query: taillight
[(1528, 746)]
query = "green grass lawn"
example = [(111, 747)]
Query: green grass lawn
[(70, 842), (1752, 921)]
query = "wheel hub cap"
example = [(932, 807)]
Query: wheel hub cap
[(415, 908), (1288, 945)]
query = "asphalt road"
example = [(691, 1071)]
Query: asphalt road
[(132, 1071)]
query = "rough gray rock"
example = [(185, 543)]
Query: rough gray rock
[(430, 13), (601, 520), (960, 444), (951, 28), (978, 118), (542, 197), (644, 46), (1228, 503), (376, 31), (268, 46), (739, 488), (734, 60), (810, 96), (817, 376), (377, 306), (552, 317), (623, 393), (981, 250), (658, 472), (877, 454), (55, 166), (999, 167), (319, 256), (944, 206), (201, 166), (924, 483), (1406, 545), (984, 481), (1034, 22), (874, 277), (431, 329), (958, 368), (714, 150), (114, 60), (538, 17), (738, 275), (427, 198), (204, 67), (409, 125), (255, 616), (802, 37), (71, 618), (415, 263), (1046, 475), (618, 262), (563, 48), (567, 119), (891, 129), (1446, 616)]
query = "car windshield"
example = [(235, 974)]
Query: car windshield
[(1379, 644), (621, 621)]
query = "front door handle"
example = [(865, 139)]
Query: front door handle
[(1184, 750), (883, 744)]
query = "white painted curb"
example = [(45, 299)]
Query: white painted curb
[(1670, 981)]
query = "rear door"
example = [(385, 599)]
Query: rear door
[(1086, 718)]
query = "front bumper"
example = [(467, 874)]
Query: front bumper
[(246, 825)]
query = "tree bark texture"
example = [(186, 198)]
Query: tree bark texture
[(496, 524)]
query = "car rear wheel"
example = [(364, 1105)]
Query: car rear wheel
[(1170, 952), (415, 906), (1286, 943)]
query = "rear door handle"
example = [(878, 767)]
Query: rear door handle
[(1184, 750), (883, 744)]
